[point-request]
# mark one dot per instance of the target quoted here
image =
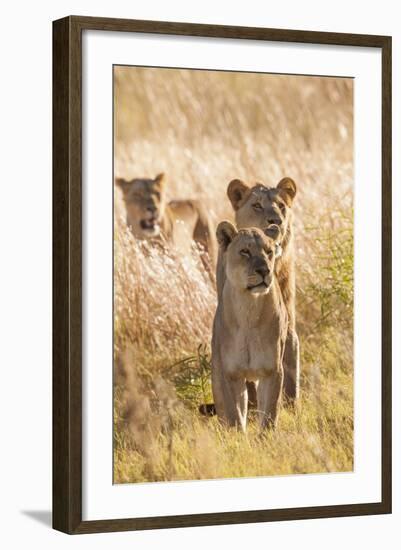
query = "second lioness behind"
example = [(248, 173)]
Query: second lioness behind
[(179, 223)]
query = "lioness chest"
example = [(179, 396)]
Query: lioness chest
[(249, 351)]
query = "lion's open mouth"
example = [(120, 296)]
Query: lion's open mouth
[(148, 225)]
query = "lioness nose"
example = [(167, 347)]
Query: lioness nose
[(276, 221), (262, 270), (151, 208)]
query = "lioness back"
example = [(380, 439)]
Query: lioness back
[(189, 220)]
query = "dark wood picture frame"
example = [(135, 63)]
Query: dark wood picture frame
[(67, 274)]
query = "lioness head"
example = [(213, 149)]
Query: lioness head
[(260, 206), (250, 256), (145, 203)]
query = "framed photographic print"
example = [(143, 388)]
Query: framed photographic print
[(222, 274)]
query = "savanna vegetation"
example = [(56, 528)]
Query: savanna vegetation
[(204, 129)]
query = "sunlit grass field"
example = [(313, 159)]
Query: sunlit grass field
[(204, 129)]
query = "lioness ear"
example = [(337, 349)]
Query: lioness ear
[(237, 190), (123, 184), (225, 233), (272, 231), (160, 180), (288, 190)]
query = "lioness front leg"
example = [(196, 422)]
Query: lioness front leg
[(231, 399), (239, 401), (291, 366), (269, 395)]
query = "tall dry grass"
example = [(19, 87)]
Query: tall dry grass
[(204, 129)]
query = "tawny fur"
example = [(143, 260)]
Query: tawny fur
[(258, 206), (179, 223), (250, 328)]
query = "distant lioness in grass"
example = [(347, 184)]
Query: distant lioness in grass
[(259, 206), (250, 326), (179, 222)]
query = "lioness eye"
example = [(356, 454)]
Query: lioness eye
[(257, 206), (245, 252)]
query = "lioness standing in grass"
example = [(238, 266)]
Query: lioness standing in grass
[(259, 206), (250, 326), (179, 222)]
